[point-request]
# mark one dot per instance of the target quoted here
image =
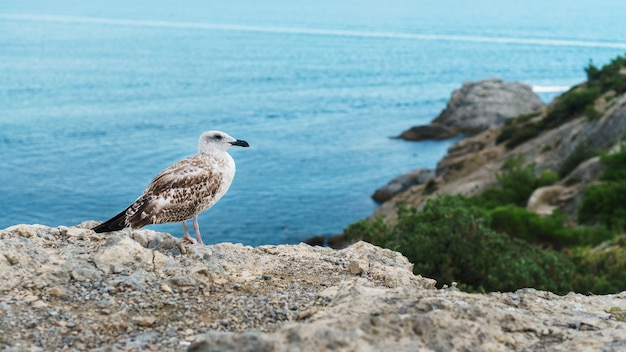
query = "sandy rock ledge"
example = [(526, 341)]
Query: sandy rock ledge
[(70, 289)]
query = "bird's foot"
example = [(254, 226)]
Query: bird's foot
[(191, 240)]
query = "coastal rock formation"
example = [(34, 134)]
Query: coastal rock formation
[(403, 182), (428, 132), (472, 164), (477, 106), (68, 288)]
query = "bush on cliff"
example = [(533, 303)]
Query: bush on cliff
[(600, 270), (516, 183), (491, 242), (609, 77), (548, 231), (574, 103), (582, 153), (605, 203), (449, 240)]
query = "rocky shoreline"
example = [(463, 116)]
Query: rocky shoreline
[(472, 164), (70, 289), (476, 107)]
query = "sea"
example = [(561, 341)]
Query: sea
[(97, 97)]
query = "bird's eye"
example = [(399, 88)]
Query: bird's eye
[(218, 136)]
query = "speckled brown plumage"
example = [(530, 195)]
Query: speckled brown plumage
[(183, 190), (179, 192)]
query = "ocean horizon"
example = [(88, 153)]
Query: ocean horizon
[(98, 98)]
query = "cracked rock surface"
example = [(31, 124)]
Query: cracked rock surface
[(70, 289)]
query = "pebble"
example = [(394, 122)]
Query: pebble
[(166, 288), (144, 320), (357, 267)]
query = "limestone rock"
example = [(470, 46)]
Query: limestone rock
[(477, 106), (428, 132), (137, 290), (403, 182), (372, 319), (545, 200), (65, 289)]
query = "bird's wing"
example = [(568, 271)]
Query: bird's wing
[(176, 194), (181, 175)]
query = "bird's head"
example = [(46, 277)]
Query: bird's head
[(216, 140)]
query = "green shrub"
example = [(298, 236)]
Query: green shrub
[(615, 165), (609, 77), (571, 104), (605, 203), (516, 127), (450, 241), (521, 223), (516, 183), (522, 134), (568, 106), (508, 131), (591, 112), (576, 157), (600, 270), (548, 231)]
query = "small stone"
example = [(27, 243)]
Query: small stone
[(58, 291), (166, 288), (356, 267), (116, 269), (39, 304), (144, 320), (30, 298), (84, 274), (183, 281), (11, 258)]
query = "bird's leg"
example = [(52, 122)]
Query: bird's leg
[(186, 236), (196, 227)]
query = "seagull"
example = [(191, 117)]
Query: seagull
[(183, 190)]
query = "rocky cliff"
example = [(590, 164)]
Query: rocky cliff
[(68, 288), (471, 165)]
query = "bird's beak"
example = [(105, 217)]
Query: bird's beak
[(240, 143)]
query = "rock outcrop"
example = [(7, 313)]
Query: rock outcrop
[(68, 288), (476, 107), (403, 182), (428, 132), (471, 165)]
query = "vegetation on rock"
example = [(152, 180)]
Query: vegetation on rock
[(578, 101), (516, 183), (450, 241), (491, 242), (605, 203)]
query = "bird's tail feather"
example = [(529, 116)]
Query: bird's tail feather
[(139, 217), (116, 223)]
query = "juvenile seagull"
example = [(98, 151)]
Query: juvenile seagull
[(183, 190)]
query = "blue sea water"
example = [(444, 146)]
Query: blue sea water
[(96, 99)]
